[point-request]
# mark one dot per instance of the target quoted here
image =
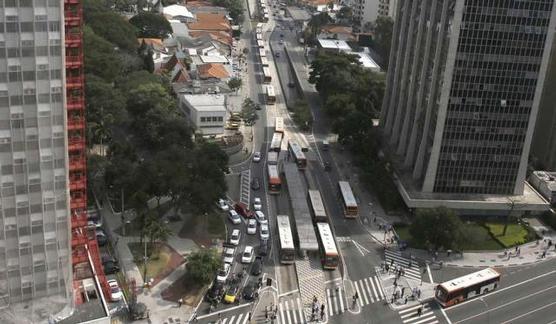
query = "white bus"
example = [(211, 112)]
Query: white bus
[(260, 27), (267, 78), (317, 206), (276, 143), (297, 154), (264, 61), (279, 124), (286, 248), (349, 203), (260, 44), (272, 158), (259, 36), (270, 95), (262, 52), (327, 246), (469, 286)]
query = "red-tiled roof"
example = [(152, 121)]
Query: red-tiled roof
[(212, 70), (210, 22)]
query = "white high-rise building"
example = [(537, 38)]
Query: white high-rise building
[(367, 11)]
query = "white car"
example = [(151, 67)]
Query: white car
[(234, 238), (257, 204), (265, 233), (115, 291), (257, 157), (229, 255), (223, 273), (281, 42), (261, 218), (252, 226), (234, 217), (94, 223), (223, 205), (247, 256)]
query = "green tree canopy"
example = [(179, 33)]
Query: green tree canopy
[(115, 29), (235, 83), (437, 228), (383, 36), (100, 58), (235, 8), (151, 25), (202, 265)]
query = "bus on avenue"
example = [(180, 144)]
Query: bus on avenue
[(317, 207), (274, 182), (349, 203), (276, 143), (270, 95), (460, 289), (279, 124), (286, 248), (297, 154), (264, 61), (327, 246), (267, 78)]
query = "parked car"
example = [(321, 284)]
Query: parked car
[(263, 248), (277, 54), (252, 226), (215, 292), (257, 204), (247, 255), (222, 274), (264, 232), (235, 236), (255, 184), (291, 85), (231, 295), (261, 218), (108, 258), (115, 291), (94, 222), (257, 268), (234, 217), (243, 210), (250, 291), (257, 157), (223, 204), (228, 254), (110, 267)]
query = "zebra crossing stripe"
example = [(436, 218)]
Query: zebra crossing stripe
[(369, 290), (288, 312), (245, 319), (379, 288), (239, 318), (329, 302), (420, 319), (374, 289), (361, 296), (300, 310), (413, 308), (341, 301), (224, 321), (281, 310)]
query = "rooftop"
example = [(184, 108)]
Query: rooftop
[(549, 178), (214, 59), (177, 11), (212, 70), (210, 21), (298, 14), (205, 102), (366, 61), (336, 29), (334, 44)]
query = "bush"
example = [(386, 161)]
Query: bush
[(302, 116)]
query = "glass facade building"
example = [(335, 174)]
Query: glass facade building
[(463, 89)]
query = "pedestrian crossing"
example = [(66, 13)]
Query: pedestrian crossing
[(335, 301), (290, 311), (411, 267), (368, 290), (236, 319), (411, 315)]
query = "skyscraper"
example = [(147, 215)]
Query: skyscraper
[(462, 95), (43, 197)]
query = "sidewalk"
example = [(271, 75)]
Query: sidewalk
[(402, 292), (161, 311)]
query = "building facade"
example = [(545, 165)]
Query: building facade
[(205, 112), (43, 202), (463, 89), (367, 11)]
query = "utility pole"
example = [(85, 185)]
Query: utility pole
[(123, 213)]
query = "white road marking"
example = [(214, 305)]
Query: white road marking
[(361, 295), (529, 312)]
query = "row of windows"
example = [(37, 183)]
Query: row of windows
[(30, 99), (29, 26), (30, 3), (18, 76), (30, 51), (501, 6), (212, 119)]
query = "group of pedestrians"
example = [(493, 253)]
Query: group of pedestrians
[(315, 309)]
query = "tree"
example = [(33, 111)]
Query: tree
[(115, 29), (302, 116), (383, 36), (345, 13), (202, 265), (151, 25), (100, 58), (249, 111), (235, 83), (436, 228), (234, 7), (157, 231), (316, 23), (334, 73)]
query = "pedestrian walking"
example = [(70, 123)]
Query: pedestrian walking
[(543, 254), (249, 316), (322, 314), (405, 300), (403, 290), (180, 302), (392, 262), (420, 311)]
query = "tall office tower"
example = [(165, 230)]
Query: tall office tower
[(463, 89), (43, 222)]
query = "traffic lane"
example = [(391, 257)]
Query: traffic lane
[(522, 309), (359, 264), (502, 298), (513, 275), (446, 273)]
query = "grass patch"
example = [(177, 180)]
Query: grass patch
[(477, 237), (516, 234)]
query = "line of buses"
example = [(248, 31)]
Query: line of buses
[(264, 13), (267, 78), (327, 246)]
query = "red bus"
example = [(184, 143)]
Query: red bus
[(297, 154), (274, 181), (474, 284)]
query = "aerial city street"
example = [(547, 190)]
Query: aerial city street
[(278, 161)]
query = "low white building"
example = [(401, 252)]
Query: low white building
[(333, 45), (367, 11), (545, 183), (206, 112)]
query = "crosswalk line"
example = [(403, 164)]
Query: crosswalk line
[(329, 302), (420, 319), (300, 310), (281, 311), (373, 286), (368, 290), (239, 318), (245, 319), (341, 298), (379, 288), (224, 321), (361, 295), (414, 313), (288, 312)]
